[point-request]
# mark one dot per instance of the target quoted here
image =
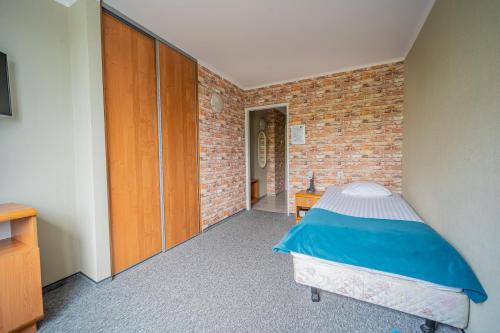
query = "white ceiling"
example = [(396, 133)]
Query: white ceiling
[(259, 42), (67, 3)]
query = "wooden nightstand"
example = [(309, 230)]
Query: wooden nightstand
[(304, 201), (21, 303), (254, 191)]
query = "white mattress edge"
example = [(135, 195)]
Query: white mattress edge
[(402, 277)]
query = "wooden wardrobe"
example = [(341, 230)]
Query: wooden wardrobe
[(151, 104), (179, 110)]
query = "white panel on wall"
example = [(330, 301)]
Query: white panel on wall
[(4, 230), (298, 134)]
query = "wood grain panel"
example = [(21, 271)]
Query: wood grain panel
[(20, 281), (20, 287), (179, 107), (11, 211), (129, 61)]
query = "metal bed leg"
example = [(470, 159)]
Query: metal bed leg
[(315, 294), (429, 326)]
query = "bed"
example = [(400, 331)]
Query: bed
[(432, 301)]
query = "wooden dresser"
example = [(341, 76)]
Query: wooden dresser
[(254, 191), (20, 282), (304, 201)]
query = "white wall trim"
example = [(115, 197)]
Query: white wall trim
[(315, 76), (247, 152)]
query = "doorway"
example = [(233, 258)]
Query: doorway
[(267, 158)]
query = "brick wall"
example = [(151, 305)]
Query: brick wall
[(280, 149), (275, 152), (353, 121), (353, 124), (222, 149), (271, 151)]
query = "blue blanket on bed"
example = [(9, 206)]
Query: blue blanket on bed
[(405, 248)]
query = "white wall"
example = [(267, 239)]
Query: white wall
[(5, 231), (451, 146), (52, 151), (90, 157), (36, 145)]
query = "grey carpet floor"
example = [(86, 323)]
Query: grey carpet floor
[(225, 280)]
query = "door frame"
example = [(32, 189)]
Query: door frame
[(247, 152)]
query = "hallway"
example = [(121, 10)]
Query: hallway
[(272, 203)]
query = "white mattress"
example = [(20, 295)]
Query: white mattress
[(421, 298), (413, 297), (374, 271), (393, 207)]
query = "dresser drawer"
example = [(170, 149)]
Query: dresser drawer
[(305, 201)]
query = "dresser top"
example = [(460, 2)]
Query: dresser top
[(316, 194), (11, 211)]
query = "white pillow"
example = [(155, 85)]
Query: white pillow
[(365, 189)]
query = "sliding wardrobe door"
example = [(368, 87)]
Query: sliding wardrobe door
[(179, 110), (129, 62)]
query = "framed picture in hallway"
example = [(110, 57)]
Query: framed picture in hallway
[(261, 149)]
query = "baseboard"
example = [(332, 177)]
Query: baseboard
[(223, 220), (63, 281), (109, 278), (58, 283)]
